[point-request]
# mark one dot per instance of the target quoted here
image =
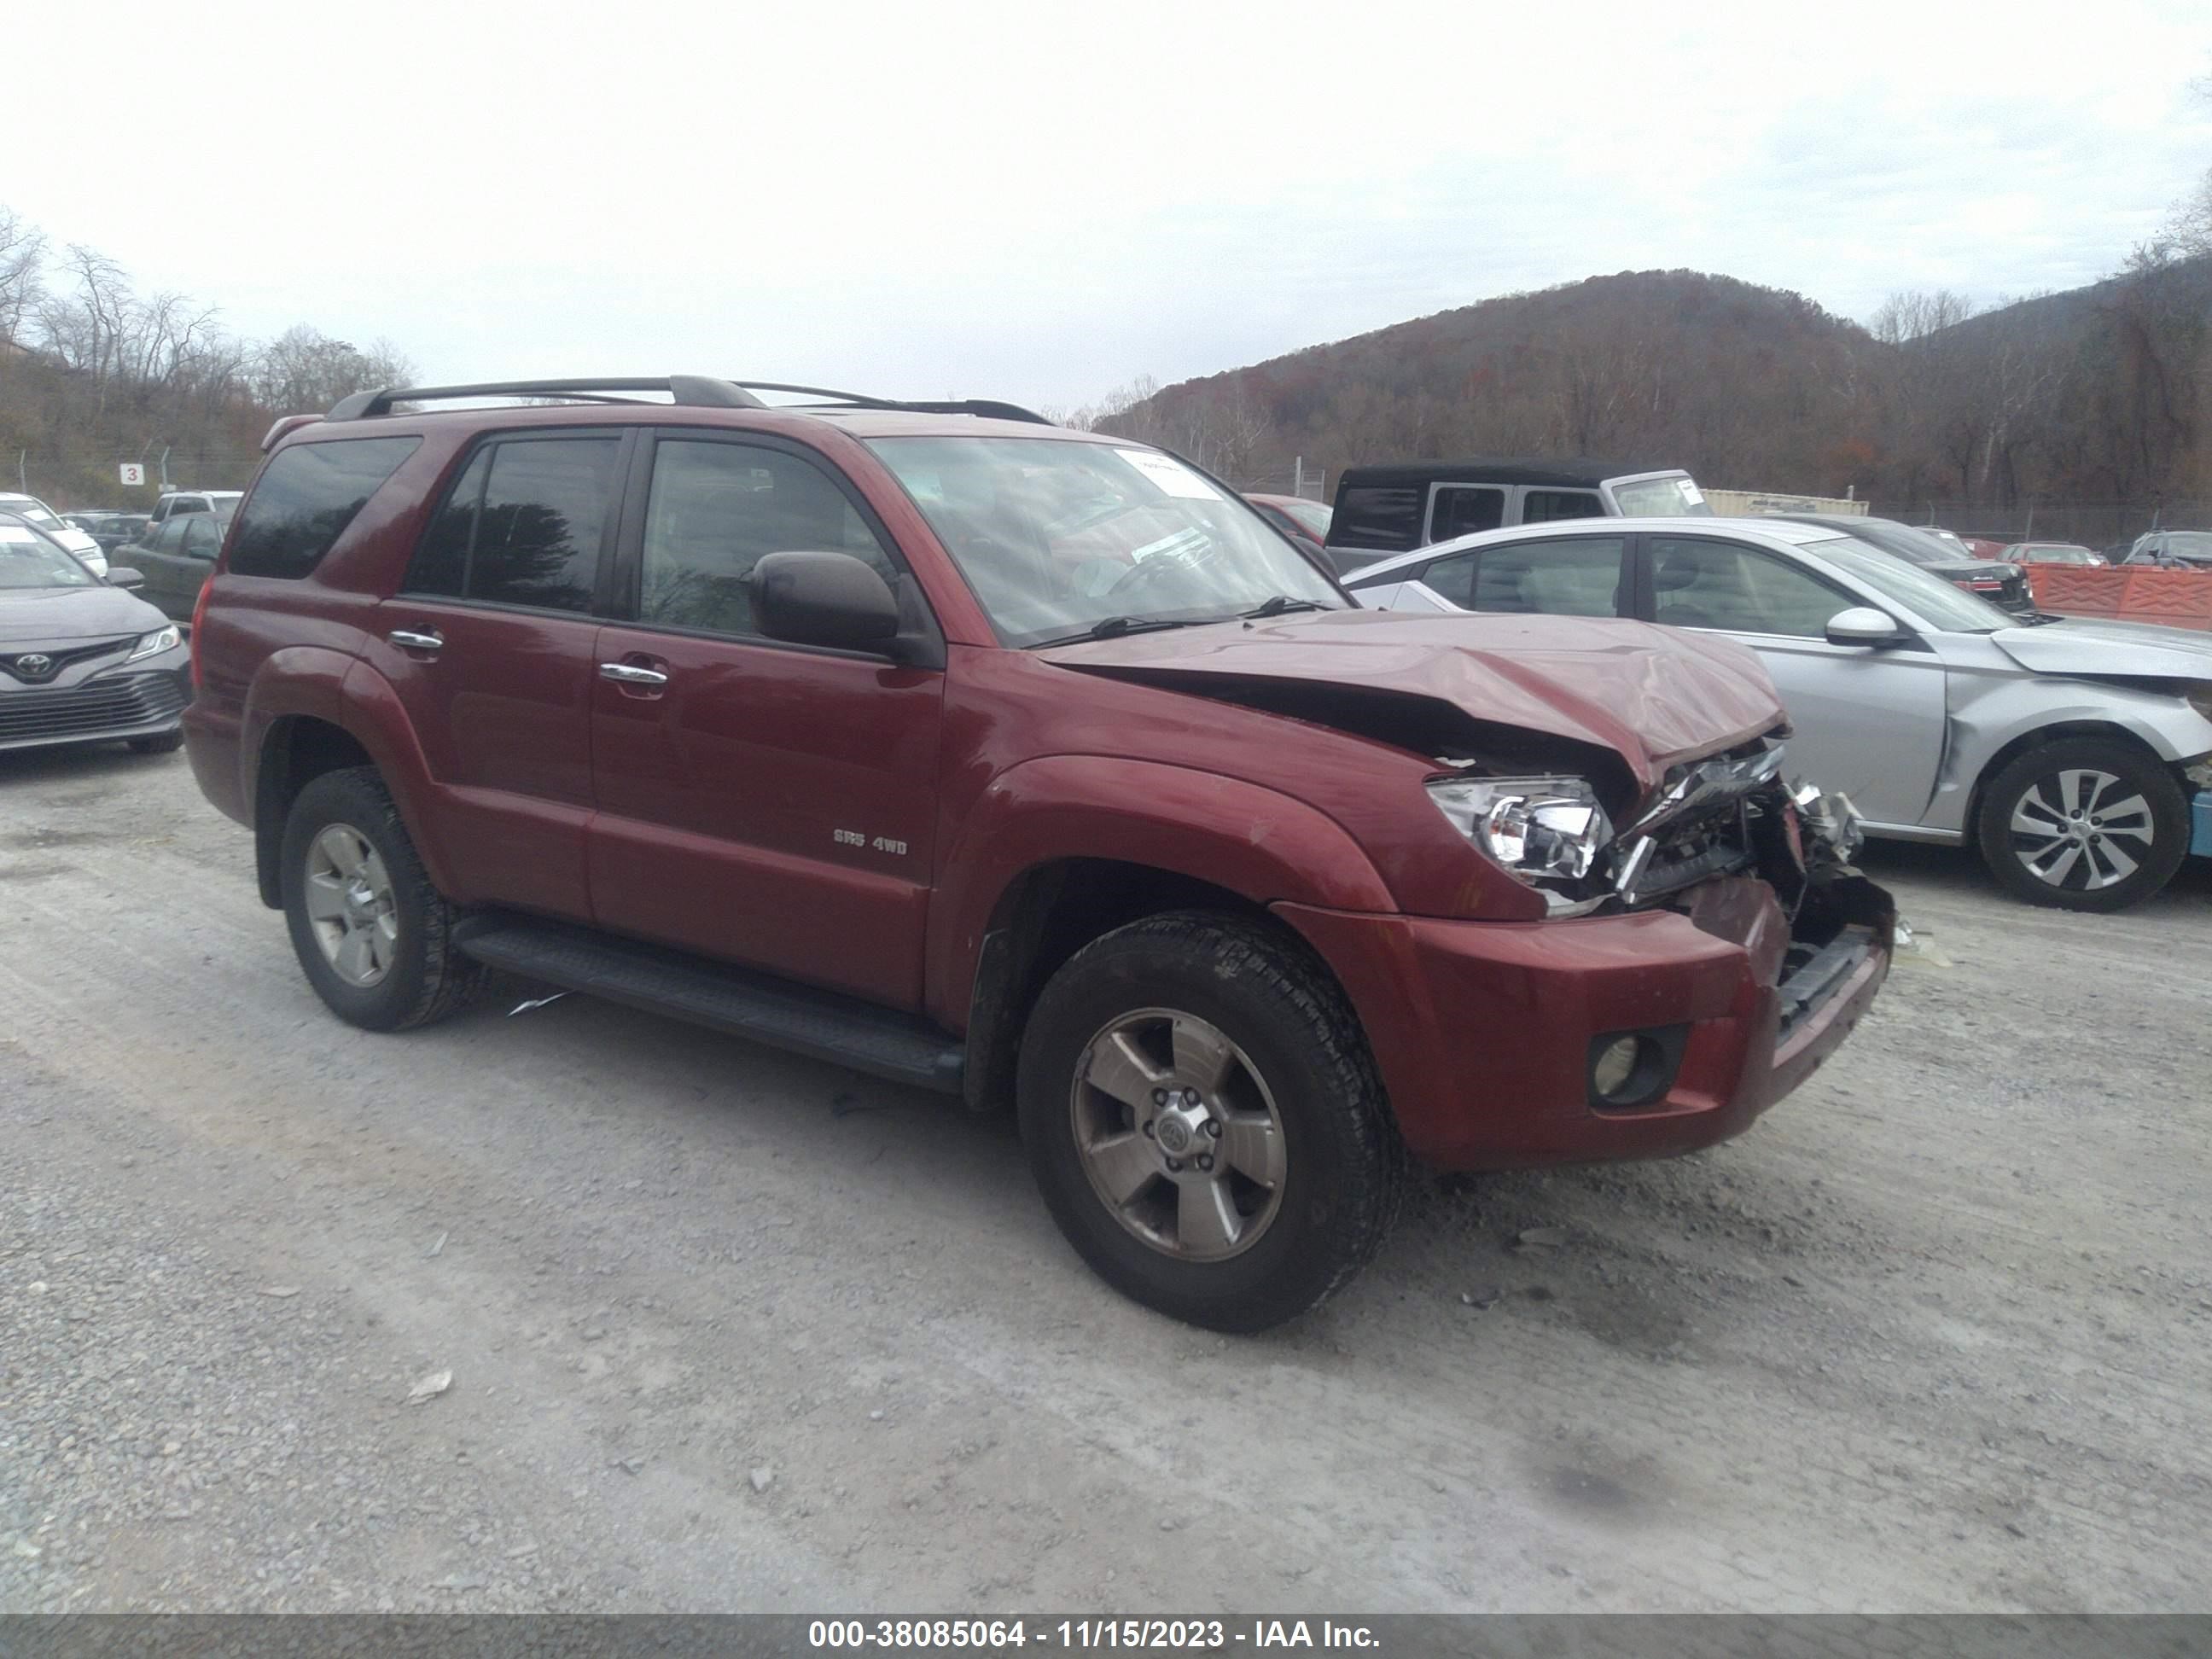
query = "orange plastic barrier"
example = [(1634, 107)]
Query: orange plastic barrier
[(2173, 598)]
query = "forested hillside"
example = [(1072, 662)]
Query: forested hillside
[(2101, 394), (2094, 395), (95, 372)]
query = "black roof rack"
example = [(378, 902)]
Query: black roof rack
[(687, 390), (693, 391), (988, 408)]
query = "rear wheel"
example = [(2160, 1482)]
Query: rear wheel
[(373, 936), (1204, 1122), (2084, 824)]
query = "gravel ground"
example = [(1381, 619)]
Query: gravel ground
[(728, 1329)]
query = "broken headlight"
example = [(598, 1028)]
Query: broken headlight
[(1545, 832)]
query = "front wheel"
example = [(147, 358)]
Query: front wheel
[(1204, 1122), (2084, 824)]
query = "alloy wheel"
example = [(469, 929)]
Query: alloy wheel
[(2081, 830), (351, 905), (1178, 1133)]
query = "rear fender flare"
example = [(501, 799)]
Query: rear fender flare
[(316, 682)]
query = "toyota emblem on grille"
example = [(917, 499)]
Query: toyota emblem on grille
[(34, 666)]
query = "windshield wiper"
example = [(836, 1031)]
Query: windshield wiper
[(1112, 627), (1277, 603)]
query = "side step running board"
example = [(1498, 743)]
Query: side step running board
[(760, 1007)]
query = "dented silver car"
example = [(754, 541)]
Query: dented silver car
[(2076, 755)]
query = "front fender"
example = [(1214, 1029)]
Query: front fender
[(1997, 713), (1259, 844)]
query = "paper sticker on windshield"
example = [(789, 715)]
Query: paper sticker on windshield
[(1172, 476), (1691, 493)]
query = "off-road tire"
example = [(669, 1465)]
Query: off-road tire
[(1344, 1165), (429, 979), (164, 743), (2139, 772)]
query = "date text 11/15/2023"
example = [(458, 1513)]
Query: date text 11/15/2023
[(994, 1634)]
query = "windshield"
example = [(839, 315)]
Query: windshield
[(2055, 555), (28, 560), (1939, 603), (1312, 514), (2192, 544), (1057, 536), (1903, 541), (1674, 496)]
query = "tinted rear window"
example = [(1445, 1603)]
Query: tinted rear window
[(306, 499), (1386, 516), (522, 525), (1543, 505)]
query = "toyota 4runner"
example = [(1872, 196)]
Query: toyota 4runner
[(1024, 764)]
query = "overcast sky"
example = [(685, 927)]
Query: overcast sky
[(1043, 201)]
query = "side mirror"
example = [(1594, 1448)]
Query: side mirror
[(122, 576), (1863, 625), (823, 599)]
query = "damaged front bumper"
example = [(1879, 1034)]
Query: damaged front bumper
[(1704, 1001)]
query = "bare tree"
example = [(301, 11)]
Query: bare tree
[(2188, 228), (22, 274), (1914, 313), (305, 369)]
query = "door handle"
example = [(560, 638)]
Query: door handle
[(625, 673), (408, 638)]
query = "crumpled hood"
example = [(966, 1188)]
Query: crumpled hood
[(44, 616), (2079, 646), (1654, 695)]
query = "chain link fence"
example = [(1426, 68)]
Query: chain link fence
[(1295, 478)]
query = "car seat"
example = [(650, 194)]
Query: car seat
[(1678, 574)]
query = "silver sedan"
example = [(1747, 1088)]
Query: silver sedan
[(2077, 755)]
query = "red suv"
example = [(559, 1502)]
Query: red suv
[(1025, 764)]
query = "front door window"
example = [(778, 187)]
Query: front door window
[(1701, 583), (1574, 577)]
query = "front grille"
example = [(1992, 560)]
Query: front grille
[(57, 659), (108, 705), (1695, 854), (1810, 976)]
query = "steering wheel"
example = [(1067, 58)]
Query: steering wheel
[(1146, 572)]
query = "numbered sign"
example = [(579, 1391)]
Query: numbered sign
[(132, 472)]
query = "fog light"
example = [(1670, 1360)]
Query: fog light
[(1629, 1069), (1614, 1065)]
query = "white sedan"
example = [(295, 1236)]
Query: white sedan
[(2077, 755)]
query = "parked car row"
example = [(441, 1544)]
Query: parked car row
[(30, 510)]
